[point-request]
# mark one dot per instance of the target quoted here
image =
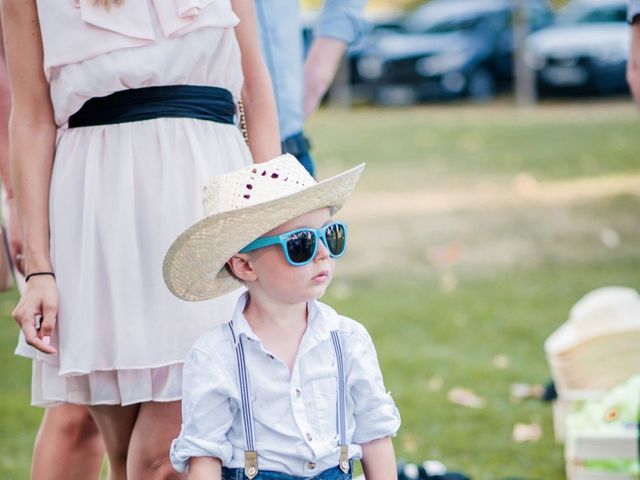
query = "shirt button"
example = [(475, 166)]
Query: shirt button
[(269, 356), (298, 393), (308, 437), (311, 465)]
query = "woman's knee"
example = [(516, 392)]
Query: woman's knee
[(72, 426)]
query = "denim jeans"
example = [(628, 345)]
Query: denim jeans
[(298, 145), (238, 474)]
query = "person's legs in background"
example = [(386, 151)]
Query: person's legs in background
[(300, 147)]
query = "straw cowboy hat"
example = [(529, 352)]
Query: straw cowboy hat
[(238, 208)]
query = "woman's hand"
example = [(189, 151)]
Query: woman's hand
[(40, 298)]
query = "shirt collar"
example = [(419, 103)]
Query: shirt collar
[(239, 322), (321, 319)]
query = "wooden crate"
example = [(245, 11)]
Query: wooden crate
[(623, 447), (567, 402)]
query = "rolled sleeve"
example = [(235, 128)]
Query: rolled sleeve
[(633, 10), (342, 20), (206, 413), (375, 412)]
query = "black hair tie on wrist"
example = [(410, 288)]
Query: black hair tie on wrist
[(26, 279)]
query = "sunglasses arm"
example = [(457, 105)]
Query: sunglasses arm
[(261, 243)]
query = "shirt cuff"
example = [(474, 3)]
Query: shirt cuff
[(344, 26), (633, 10), (381, 422), (185, 448)]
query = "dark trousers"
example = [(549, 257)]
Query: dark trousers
[(299, 146)]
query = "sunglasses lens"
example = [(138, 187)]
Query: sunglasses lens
[(336, 239), (300, 246)]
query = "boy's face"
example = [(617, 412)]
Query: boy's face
[(286, 283)]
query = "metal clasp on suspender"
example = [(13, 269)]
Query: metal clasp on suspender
[(250, 463), (344, 458)]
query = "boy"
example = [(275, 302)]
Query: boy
[(289, 389)]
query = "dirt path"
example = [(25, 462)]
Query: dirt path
[(524, 191), (491, 225)]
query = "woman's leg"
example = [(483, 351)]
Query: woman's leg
[(68, 445), (157, 424), (116, 425)]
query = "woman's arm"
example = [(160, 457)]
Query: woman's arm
[(379, 460), (10, 216), (257, 92), (205, 468), (32, 133)]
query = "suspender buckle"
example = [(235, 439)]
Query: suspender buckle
[(344, 458), (250, 463)]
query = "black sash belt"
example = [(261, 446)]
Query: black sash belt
[(177, 101)]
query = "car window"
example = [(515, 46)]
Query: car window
[(579, 13), (439, 17), (462, 24)]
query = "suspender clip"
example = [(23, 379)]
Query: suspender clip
[(344, 458), (250, 463)]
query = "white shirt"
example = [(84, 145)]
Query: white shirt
[(294, 413)]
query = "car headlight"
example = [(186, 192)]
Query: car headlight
[(370, 68), (442, 62)]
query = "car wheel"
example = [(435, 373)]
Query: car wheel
[(481, 86)]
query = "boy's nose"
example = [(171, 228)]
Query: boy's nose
[(323, 251)]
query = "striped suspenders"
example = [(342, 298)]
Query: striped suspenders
[(342, 403), (250, 453)]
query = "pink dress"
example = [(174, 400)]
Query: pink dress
[(120, 194)]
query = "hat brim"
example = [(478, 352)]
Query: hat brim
[(193, 268)]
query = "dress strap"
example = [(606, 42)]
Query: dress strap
[(342, 403), (250, 453)]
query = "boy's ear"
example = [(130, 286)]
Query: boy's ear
[(240, 266)]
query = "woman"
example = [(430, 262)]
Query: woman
[(104, 165)]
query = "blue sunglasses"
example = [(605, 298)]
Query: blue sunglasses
[(300, 246)]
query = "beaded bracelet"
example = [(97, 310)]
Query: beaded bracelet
[(26, 279)]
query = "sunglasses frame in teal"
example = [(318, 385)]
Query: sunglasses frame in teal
[(319, 234)]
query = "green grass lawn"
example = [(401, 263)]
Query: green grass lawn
[(472, 255)]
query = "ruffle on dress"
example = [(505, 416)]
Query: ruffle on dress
[(89, 30), (111, 387)]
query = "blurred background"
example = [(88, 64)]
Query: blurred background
[(502, 184), (478, 49)]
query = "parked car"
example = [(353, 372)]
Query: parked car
[(445, 49), (585, 51)]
